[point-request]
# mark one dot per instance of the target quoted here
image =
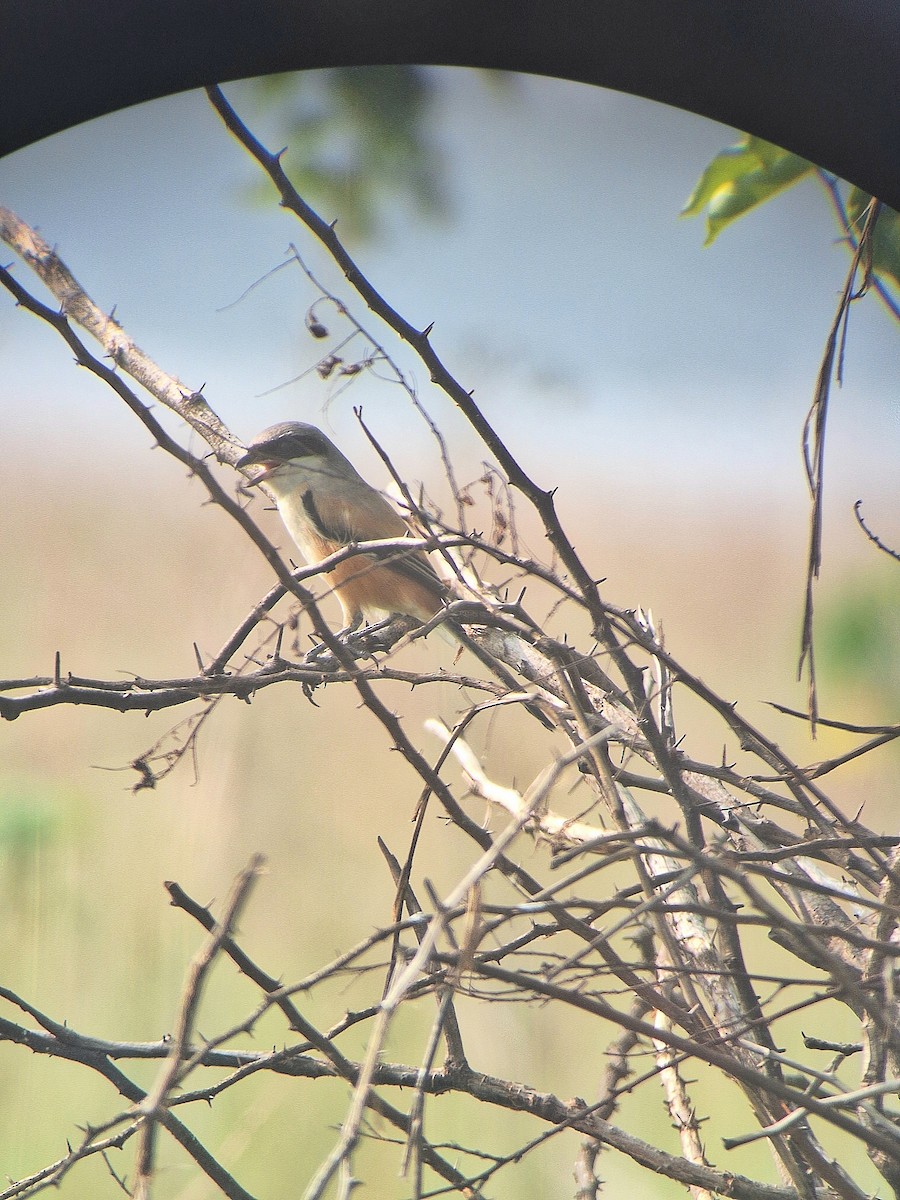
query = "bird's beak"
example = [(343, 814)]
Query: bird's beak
[(246, 460), (250, 459)]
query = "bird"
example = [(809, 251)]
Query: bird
[(326, 505)]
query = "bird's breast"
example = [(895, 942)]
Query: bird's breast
[(311, 542)]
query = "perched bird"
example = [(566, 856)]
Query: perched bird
[(327, 505)]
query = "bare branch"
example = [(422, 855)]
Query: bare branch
[(814, 446), (873, 537), (155, 1103), (639, 904)]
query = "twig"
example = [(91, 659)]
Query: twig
[(155, 1102), (280, 995), (456, 1054), (830, 184), (873, 537), (557, 830), (680, 1109), (341, 1156), (814, 454), (77, 304)]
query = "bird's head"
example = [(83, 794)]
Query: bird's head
[(289, 449)]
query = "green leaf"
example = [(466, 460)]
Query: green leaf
[(741, 177), (859, 637), (358, 140), (26, 815)]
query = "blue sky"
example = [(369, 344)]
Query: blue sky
[(595, 329)]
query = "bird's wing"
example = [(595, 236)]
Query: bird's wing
[(371, 522)]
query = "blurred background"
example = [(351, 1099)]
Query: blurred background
[(661, 387)]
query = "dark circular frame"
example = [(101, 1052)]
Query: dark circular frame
[(819, 77)]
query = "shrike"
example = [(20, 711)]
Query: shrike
[(327, 505)]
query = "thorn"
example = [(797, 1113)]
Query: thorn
[(198, 657), (277, 655), (56, 671), (426, 332)]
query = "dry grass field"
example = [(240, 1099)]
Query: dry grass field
[(122, 577)]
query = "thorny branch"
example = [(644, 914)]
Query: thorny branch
[(158, 1099), (646, 902)]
